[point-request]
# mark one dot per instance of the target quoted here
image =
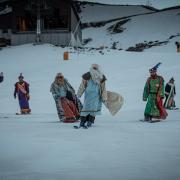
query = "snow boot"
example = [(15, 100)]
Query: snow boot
[(90, 120), (83, 121), (147, 118)]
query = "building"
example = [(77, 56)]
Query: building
[(46, 21)]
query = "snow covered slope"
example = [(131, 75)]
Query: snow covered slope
[(38, 147), (155, 27), (155, 3), (91, 12)]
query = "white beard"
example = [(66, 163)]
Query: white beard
[(96, 75)]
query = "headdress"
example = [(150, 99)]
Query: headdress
[(154, 69), (21, 76)]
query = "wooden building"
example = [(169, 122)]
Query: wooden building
[(46, 21)]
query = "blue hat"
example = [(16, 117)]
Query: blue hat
[(154, 69)]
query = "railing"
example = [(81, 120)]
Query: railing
[(56, 37)]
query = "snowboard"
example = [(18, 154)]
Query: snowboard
[(152, 121), (114, 102)]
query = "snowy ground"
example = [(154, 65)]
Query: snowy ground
[(38, 147)]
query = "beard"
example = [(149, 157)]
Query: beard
[(96, 75)]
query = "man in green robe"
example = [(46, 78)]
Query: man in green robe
[(154, 94)]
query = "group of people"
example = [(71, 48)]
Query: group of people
[(68, 105), (70, 108), (154, 93)]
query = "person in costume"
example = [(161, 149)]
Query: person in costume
[(154, 93), (22, 91), (177, 46), (1, 77), (93, 87), (170, 92), (67, 104)]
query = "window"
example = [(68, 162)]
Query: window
[(55, 20), (26, 22)]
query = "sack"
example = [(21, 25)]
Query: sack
[(69, 95), (114, 102)]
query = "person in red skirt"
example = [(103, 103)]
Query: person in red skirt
[(67, 104)]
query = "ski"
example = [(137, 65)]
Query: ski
[(22, 114), (78, 127), (18, 114), (171, 109), (154, 121), (151, 121), (142, 120), (4, 117)]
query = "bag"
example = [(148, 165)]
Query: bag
[(69, 96), (114, 102)]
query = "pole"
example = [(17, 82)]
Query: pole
[(38, 28)]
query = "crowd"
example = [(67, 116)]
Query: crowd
[(159, 96)]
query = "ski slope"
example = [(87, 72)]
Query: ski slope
[(117, 147)]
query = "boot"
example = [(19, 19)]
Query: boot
[(90, 120), (89, 123), (147, 118), (83, 121)]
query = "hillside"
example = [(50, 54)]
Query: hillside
[(126, 26), (94, 12), (154, 3)]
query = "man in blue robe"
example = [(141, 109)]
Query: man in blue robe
[(93, 87)]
